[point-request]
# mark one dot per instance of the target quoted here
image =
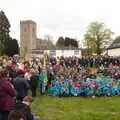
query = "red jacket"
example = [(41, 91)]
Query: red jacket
[(7, 96)]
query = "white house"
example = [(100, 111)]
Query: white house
[(114, 50), (58, 52)]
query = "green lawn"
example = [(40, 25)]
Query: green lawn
[(77, 108)]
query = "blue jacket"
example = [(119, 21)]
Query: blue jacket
[(41, 78), (21, 85)]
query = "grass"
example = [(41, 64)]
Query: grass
[(77, 108)]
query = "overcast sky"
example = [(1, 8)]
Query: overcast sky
[(62, 17)]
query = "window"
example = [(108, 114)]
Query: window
[(33, 30), (52, 53), (25, 29), (76, 52)]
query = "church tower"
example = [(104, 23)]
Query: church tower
[(27, 37)]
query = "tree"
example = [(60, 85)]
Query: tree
[(71, 42), (74, 43), (115, 43), (4, 31), (60, 42), (97, 37), (67, 42), (48, 37), (8, 46), (49, 40), (11, 47), (117, 39)]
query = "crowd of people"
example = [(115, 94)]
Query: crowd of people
[(61, 76), (73, 77), (14, 85)]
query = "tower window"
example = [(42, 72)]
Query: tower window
[(33, 29), (25, 30)]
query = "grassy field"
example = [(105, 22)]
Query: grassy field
[(77, 108)]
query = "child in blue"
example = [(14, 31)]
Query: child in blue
[(41, 81), (72, 90), (65, 92)]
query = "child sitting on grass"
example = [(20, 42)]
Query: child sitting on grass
[(22, 110)]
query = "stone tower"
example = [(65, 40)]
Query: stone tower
[(27, 37)]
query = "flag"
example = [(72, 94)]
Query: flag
[(45, 61), (45, 71)]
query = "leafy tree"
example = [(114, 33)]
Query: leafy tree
[(4, 31), (117, 40), (115, 43), (97, 37), (67, 42), (11, 47), (8, 46), (1, 48), (74, 43), (60, 42), (71, 42)]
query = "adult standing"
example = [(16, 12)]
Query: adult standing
[(34, 83), (42, 82), (21, 85), (7, 95)]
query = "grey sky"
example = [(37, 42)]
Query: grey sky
[(62, 17)]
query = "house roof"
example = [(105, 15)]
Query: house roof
[(114, 45)]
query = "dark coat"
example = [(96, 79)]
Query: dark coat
[(24, 109), (21, 85), (34, 81), (7, 96), (12, 72)]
